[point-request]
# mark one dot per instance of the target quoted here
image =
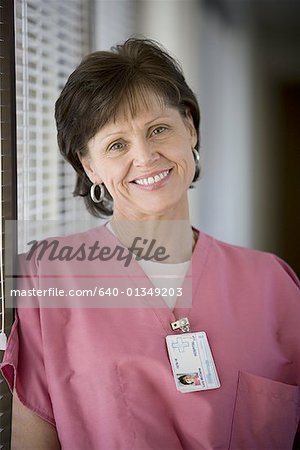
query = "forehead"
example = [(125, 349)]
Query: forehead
[(138, 105), (146, 111)]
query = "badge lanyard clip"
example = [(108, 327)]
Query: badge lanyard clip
[(181, 324)]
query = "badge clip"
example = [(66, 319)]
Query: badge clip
[(181, 324)]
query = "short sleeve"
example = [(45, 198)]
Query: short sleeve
[(23, 362)]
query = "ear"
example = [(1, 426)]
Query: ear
[(191, 127), (88, 168)]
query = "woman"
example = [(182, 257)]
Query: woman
[(101, 377)]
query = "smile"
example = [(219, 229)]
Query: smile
[(152, 180)]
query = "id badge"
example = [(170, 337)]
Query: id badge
[(192, 362)]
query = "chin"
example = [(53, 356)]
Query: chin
[(162, 210)]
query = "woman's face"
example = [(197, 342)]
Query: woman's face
[(146, 162), (189, 379)]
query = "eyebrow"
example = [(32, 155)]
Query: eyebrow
[(124, 131)]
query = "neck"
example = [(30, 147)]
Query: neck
[(157, 240)]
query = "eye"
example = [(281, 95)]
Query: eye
[(116, 147), (159, 130)]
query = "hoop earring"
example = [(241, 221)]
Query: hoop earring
[(197, 166), (92, 193)]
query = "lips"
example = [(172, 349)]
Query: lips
[(152, 178)]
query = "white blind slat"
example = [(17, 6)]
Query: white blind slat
[(51, 38)]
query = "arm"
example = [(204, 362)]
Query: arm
[(30, 432)]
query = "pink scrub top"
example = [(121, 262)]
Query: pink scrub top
[(102, 375)]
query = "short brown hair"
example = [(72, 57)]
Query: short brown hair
[(102, 82)]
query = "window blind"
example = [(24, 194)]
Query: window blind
[(51, 38)]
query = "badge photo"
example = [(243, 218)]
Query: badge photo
[(192, 362)]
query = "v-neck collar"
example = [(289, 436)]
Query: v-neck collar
[(190, 286)]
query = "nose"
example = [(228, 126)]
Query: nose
[(144, 155)]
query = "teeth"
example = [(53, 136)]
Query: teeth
[(152, 180)]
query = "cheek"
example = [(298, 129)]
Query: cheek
[(113, 172), (191, 167), (93, 165), (189, 158), (99, 165)]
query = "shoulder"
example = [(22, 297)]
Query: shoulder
[(56, 260), (249, 264), (97, 233), (63, 248)]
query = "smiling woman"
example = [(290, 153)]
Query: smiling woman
[(146, 162), (112, 90), (109, 372)]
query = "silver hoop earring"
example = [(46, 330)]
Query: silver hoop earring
[(92, 193), (197, 166)]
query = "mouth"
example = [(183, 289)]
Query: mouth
[(153, 179)]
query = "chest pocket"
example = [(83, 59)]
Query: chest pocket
[(266, 414)]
